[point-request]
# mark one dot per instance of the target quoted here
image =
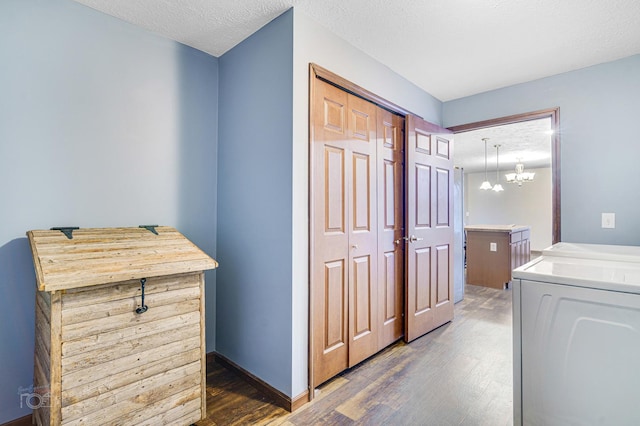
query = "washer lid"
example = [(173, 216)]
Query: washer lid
[(594, 251), (590, 273)]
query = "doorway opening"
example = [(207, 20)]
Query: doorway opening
[(537, 121)]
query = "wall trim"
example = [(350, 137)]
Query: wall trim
[(288, 403), (554, 114), (22, 421), (299, 401)]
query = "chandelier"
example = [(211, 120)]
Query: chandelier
[(497, 187), (520, 175), (485, 185)]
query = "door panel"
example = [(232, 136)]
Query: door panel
[(334, 190), (361, 121), (442, 284), (361, 192), (390, 158), (443, 232), (334, 115), (429, 178), (444, 148), (389, 296), (363, 284), (442, 199), (344, 272), (335, 290), (422, 195), (362, 296), (329, 237), (422, 141), (388, 194), (422, 285)]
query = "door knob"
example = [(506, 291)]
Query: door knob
[(411, 239), (355, 246), (399, 240)]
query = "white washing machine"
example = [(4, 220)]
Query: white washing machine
[(576, 336)]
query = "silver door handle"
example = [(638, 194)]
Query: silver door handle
[(399, 240), (411, 239)]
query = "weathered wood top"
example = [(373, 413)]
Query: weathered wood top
[(107, 255)]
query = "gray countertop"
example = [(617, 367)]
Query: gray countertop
[(497, 228)]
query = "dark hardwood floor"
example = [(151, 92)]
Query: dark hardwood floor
[(459, 374)]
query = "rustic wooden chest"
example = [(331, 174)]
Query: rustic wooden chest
[(120, 330)]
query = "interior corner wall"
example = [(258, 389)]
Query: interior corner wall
[(254, 294), (313, 43), (599, 142), (101, 124), (529, 204)]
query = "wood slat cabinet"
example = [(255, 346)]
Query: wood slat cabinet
[(101, 358), (493, 251)]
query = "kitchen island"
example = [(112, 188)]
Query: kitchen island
[(493, 251)]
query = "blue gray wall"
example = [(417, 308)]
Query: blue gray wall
[(101, 124), (253, 311), (262, 283), (600, 146)]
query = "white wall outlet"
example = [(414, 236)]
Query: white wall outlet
[(493, 247), (609, 220)]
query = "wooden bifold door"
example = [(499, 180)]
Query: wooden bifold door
[(380, 231)]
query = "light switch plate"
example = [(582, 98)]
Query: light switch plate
[(608, 220), (493, 247)]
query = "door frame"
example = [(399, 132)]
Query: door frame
[(317, 72), (554, 115)]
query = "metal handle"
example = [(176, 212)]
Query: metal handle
[(143, 308), (399, 240), (411, 239)]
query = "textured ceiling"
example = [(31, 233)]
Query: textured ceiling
[(213, 26), (449, 48), (528, 142)]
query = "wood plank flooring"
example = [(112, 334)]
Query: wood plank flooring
[(459, 374)]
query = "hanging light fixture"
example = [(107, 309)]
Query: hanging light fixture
[(520, 176), (485, 185), (497, 187)]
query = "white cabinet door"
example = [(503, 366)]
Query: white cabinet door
[(580, 356)]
